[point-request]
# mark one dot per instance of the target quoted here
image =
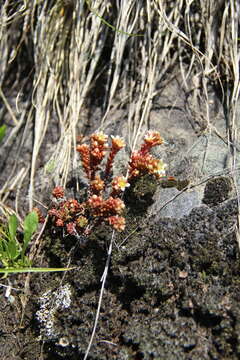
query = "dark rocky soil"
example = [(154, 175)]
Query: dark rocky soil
[(172, 291)]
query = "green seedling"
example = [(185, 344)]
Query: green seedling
[(13, 252), (10, 249), (29, 226), (2, 132)]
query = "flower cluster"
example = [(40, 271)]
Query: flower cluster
[(103, 202), (142, 162), (75, 217), (92, 155)]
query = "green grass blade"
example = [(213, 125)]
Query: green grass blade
[(36, 270), (2, 132), (88, 2)]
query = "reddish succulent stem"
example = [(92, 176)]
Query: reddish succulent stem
[(144, 149), (85, 158), (110, 162)]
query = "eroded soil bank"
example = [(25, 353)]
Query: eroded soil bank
[(172, 291)]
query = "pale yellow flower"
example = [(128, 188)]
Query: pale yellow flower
[(99, 137), (119, 183), (117, 142), (153, 138)]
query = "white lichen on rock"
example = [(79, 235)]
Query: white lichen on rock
[(51, 302)]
